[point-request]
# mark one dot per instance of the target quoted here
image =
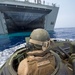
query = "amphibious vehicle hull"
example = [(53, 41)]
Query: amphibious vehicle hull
[(61, 51)]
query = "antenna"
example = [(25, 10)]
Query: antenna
[(38, 1), (44, 2), (35, 1)]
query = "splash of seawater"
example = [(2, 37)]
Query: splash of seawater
[(5, 54)]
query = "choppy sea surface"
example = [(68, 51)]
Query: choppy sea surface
[(9, 43)]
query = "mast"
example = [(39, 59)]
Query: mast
[(44, 2), (38, 1)]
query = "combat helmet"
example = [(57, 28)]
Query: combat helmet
[(39, 37)]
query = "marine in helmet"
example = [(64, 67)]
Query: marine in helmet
[(40, 60)]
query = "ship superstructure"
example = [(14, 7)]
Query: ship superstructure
[(18, 16)]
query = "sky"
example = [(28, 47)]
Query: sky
[(66, 14)]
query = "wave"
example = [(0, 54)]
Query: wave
[(5, 54)]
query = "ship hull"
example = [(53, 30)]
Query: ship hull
[(22, 16)]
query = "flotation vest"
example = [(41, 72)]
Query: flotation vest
[(37, 65), (52, 66)]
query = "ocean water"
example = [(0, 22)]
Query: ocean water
[(9, 43)]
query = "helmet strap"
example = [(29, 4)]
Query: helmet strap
[(45, 45)]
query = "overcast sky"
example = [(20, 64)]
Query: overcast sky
[(66, 14)]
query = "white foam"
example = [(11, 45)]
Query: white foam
[(61, 39), (5, 54)]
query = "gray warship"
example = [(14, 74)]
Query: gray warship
[(19, 16)]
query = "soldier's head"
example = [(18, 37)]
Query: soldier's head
[(39, 38)]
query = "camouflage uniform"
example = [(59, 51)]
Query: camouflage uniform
[(41, 60)]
